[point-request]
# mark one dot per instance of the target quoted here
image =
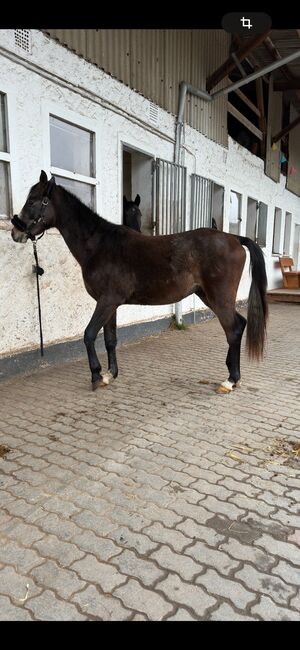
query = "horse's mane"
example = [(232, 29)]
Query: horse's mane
[(83, 212)]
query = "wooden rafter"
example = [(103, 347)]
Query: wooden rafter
[(247, 101), (244, 120), (262, 118), (229, 64), (289, 84), (286, 130), (269, 45)]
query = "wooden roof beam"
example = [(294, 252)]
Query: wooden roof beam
[(290, 84), (229, 64), (286, 130)]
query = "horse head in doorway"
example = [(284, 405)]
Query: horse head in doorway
[(132, 215)]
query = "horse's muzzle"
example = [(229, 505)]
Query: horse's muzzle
[(19, 232)]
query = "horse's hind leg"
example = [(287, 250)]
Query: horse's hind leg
[(234, 337), (101, 316), (110, 340), (233, 325)]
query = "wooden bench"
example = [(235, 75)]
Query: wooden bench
[(291, 279)]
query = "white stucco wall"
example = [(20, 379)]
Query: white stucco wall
[(53, 79)]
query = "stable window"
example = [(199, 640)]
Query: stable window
[(235, 213), (73, 159), (5, 188), (277, 231), (287, 233), (256, 227)]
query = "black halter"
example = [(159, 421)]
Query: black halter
[(23, 227)]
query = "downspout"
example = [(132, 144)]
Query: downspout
[(184, 88)]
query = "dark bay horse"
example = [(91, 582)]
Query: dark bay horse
[(132, 216), (121, 266)]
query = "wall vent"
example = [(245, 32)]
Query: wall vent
[(153, 113), (23, 39)]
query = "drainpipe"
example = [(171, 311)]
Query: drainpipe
[(184, 88)]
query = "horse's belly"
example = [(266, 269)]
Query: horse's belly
[(163, 293)]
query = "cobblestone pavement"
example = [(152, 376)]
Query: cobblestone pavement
[(155, 498)]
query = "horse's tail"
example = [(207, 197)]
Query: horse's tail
[(257, 301)]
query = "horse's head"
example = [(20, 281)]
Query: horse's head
[(132, 215), (37, 214)]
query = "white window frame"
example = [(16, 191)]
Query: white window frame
[(277, 228), (5, 156), (239, 218), (76, 119), (287, 233)]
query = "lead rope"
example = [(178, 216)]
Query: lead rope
[(39, 271)]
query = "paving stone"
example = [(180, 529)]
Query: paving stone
[(17, 586), (143, 600), (12, 553), (197, 531), (103, 607), (64, 552), (23, 533), (247, 553), (141, 568), (231, 589), (103, 548), (47, 607), (9, 612), (173, 538), (264, 583), (63, 528), (186, 594), (181, 615), (105, 575), (91, 521), (269, 611), (184, 566), (287, 572), (51, 576), (227, 613), (211, 557), (279, 549), (125, 537)]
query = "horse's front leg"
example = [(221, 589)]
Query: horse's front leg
[(110, 340), (101, 316)]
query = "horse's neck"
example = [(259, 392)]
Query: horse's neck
[(81, 235)]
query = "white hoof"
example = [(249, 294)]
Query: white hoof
[(225, 387), (107, 378)]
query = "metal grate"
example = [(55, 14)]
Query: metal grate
[(23, 39), (169, 197), (153, 113), (201, 202)]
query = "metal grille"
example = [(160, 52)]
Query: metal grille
[(169, 197), (153, 113), (201, 201), (22, 39)]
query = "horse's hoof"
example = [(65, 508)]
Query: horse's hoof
[(225, 387), (107, 378), (96, 383), (222, 390)]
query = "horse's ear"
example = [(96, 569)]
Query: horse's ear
[(43, 177), (50, 186), (137, 199), (124, 200)]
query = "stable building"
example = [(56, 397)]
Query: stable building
[(204, 126)]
